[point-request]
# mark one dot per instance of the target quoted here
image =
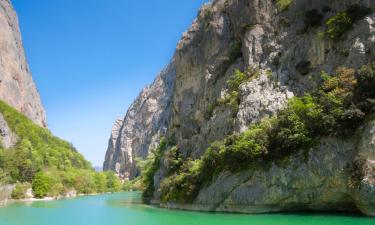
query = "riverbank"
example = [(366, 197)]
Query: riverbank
[(6, 193)]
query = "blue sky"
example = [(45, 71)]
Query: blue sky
[(91, 58)]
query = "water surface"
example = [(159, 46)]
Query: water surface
[(126, 209)]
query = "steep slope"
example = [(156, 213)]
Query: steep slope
[(235, 140), (16, 84), (142, 127)]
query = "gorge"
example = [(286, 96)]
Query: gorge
[(266, 106), (265, 114)]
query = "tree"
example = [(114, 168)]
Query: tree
[(113, 182), (42, 185)]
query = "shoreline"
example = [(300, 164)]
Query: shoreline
[(6, 202)]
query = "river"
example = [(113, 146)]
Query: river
[(127, 209)]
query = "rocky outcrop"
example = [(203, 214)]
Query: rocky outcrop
[(142, 127), (288, 56), (5, 193), (7, 137), (17, 87), (321, 181)]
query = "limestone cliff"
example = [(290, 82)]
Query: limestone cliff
[(17, 87), (283, 42), (145, 122)]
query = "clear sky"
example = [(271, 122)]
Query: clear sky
[(91, 58)]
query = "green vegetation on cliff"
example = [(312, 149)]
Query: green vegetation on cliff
[(342, 22), (53, 166), (337, 108)]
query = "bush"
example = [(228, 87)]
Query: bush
[(232, 99), (329, 110), (342, 22), (366, 82), (113, 182), (338, 25), (283, 4), (19, 191), (84, 182), (42, 185), (100, 180), (149, 167)]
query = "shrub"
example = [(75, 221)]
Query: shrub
[(366, 82), (289, 134), (100, 180), (342, 22), (283, 4), (42, 185), (84, 182), (149, 167), (182, 187), (338, 25), (19, 191), (329, 110), (173, 160), (236, 80), (113, 182)]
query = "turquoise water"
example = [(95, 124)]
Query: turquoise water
[(126, 209)]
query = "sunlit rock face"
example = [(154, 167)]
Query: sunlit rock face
[(17, 87), (255, 34), (144, 124)]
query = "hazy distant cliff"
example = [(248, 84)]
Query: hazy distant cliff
[(16, 84), (145, 122), (235, 141)]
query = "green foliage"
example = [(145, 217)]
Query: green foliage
[(366, 82), (182, 186), (84, 182), (283, 5), (36, 149), (113, 182), (173, 159), (100, 180), (343, 22), (19, 191), (52, 165), (231, 98), (236, 80), (338, 25), (332, 109), (132, 185), (42, 185), (149, 167)]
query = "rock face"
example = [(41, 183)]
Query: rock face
[(7, 137), (242, 34), (16, 84), (142, 127), (5, 193)]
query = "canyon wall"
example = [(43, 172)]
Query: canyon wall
[(271, 41), (17, 87)]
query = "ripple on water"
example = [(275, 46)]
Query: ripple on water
[(127, 209)]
